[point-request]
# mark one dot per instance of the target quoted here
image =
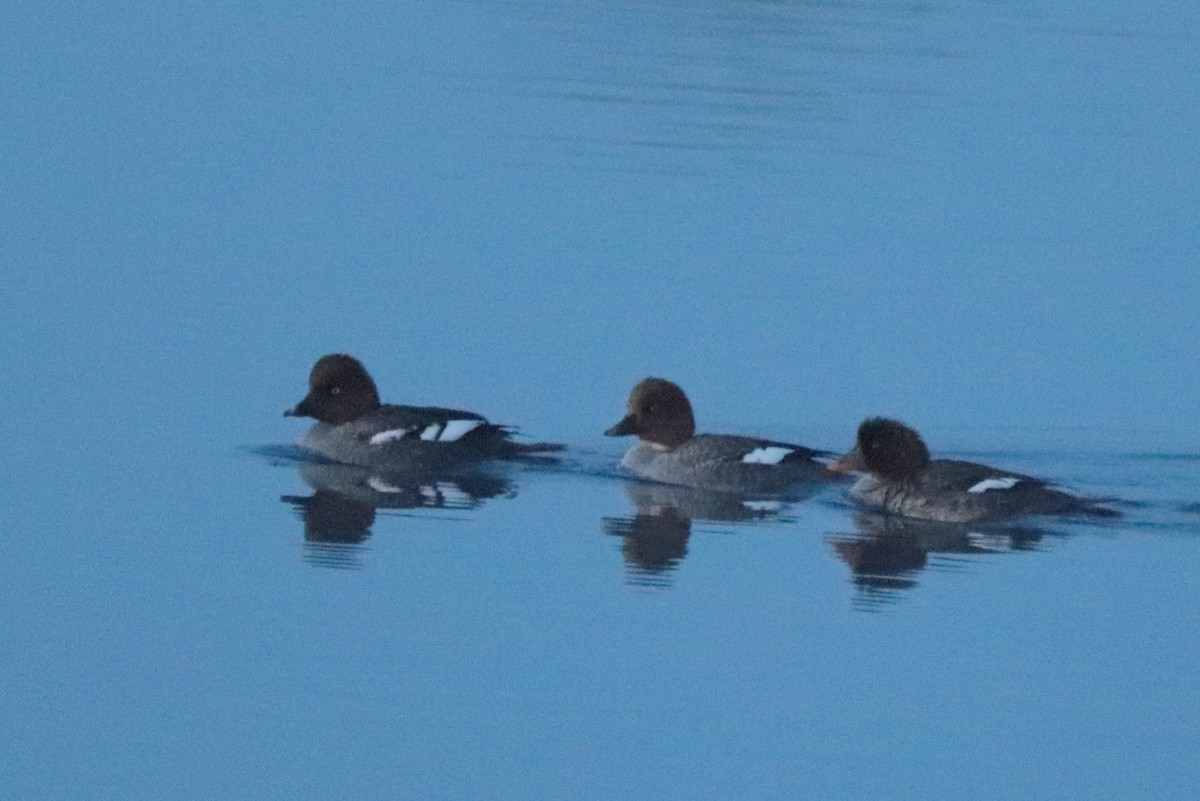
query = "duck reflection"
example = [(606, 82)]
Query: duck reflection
[(887, 551), (655, 540), (339, 514)]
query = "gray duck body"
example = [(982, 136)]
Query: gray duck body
[(901, 478), (354, 428), (671, 452)]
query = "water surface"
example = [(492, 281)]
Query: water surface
[(976, 217)]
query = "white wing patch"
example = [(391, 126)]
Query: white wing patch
[(995, 483), (771, 454), (388, 436), (455, 429), (436, 432)]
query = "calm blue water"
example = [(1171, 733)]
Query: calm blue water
[(978, 217)]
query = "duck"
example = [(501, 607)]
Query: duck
[(900, 477), (669, 450), (354, 427)]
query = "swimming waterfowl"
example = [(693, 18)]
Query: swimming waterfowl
[(901, 477), (670, 451), (354, 427)]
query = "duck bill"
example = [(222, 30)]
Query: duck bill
[(852, 462), (301, 409), (624, 428)]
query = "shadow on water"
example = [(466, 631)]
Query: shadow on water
[(338, 516), (887, 552), (654, 540)]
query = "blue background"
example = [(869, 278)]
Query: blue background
[(978, 217)]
